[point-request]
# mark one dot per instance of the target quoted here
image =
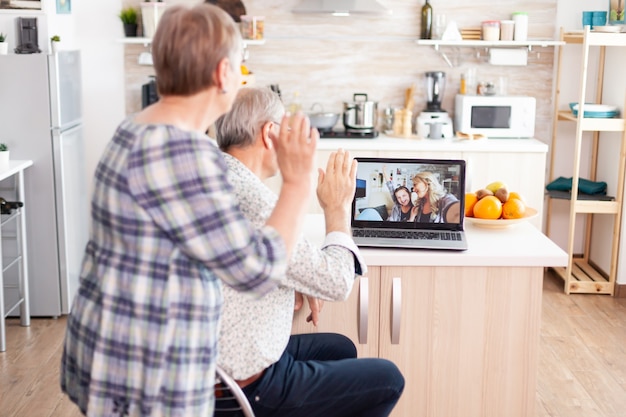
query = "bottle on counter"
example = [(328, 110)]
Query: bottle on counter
[(427, 21), (462, 85), (295, 105)]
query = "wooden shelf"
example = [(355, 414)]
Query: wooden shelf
[(585, 279), (597, 207), (594, 124), (596, 38), (580, 275)]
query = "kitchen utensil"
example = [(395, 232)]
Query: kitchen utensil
[(409, 101), (435, 85), (360, 115), (322, 120)]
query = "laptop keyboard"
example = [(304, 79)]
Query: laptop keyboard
[(408, 234)]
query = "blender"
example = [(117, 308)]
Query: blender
[(434, 122)]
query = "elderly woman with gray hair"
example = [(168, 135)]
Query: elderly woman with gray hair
[(166, 232), (309, 374)]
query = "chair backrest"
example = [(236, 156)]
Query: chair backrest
[(229, 397)]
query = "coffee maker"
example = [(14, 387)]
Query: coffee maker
[(434, 122), (27, 36)]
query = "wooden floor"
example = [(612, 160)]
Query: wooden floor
[(582, 368)]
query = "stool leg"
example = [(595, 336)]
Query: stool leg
[(3, 339), (23, 268)]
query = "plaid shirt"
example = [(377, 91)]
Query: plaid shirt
[(166, 228)]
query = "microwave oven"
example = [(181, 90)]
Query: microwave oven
[(495, 116)]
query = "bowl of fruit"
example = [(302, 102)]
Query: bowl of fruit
[(494, 206)]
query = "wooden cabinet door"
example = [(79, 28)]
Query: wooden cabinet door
[(356, 318), (466, 339)]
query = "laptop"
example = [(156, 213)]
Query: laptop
[(389, 211)]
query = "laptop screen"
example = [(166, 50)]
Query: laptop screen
[(409, 193)]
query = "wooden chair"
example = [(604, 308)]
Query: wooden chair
[(229, 398)]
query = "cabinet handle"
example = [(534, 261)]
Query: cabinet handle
[(396, 309), (363, 309)]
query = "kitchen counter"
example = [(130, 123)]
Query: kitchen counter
[(389, 143), (462, 327), (520, 245)]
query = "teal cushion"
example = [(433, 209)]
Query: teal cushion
[(584, 185)]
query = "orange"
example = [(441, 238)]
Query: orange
[(514, 208), (514, 194), (489, 207), (470, 200)]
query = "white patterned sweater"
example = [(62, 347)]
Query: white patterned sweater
[(254, 333)]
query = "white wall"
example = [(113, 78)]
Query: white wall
[(93, 27), (98, 29)]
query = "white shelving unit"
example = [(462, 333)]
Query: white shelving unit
[(582, 275), (13, 238)]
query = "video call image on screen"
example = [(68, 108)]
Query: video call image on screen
[(397, 192)]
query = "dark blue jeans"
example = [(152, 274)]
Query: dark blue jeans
[(319, 375)]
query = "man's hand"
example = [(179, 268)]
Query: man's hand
[(314, 304), (336, 186), (335, 191)]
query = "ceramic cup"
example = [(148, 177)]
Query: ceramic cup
[(598, 18), (587, 18)]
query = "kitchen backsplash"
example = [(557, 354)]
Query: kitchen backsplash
[(327, 59)]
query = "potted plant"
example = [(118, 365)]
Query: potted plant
[(54, 43), (4, 155), (129, 16), (4, 45)]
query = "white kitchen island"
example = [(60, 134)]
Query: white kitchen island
[(520, 163), (463, 327)]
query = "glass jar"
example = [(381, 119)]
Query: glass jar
[(491, 30), (252, 27), (521, 26), (388, 120)]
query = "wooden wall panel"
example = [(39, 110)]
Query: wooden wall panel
[(327, 59)]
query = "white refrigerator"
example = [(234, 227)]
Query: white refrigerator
[(41, 120)]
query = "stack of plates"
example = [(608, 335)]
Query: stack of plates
[(471, 34), (596, 110)]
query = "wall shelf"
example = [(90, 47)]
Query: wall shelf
[(145, 58), (544, 43), (455, 46), (148, 41)]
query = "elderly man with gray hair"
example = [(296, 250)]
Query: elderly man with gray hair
[(296, 375)]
